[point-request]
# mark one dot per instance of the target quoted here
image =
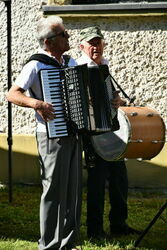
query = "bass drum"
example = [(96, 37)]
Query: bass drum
[(141, 136)]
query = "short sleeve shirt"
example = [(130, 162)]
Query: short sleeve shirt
[(29, 80)]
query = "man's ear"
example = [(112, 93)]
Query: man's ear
[(104, 44), (47, 42), (81, 46)]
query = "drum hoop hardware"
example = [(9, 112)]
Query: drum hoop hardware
[(139, 159), (134, 114), (156, 141), (150, 115), (138, 140)]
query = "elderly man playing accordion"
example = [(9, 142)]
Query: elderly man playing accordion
[(60, 158)]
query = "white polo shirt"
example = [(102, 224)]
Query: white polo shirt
[(29, 80)]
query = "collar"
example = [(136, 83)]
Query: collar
[(90, 62)]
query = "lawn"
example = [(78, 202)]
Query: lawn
[(19, 221)]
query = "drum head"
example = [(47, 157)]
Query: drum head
[(111, 145)]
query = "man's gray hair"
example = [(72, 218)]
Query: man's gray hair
[(45, 28)]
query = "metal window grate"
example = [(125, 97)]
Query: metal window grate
[(111, 1), (93, 1)]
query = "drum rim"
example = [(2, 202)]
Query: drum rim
[(126, 120)]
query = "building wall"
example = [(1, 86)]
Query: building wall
[(135, 47)]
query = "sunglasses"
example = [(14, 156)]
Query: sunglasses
[(62, 34)]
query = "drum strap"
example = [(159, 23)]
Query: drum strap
[(123, 92)]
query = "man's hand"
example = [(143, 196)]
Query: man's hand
[(116, 102), (45, 110), (17, 96)]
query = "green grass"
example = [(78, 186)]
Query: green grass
[(19, 221)]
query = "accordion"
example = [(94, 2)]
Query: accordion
[(80, 103)]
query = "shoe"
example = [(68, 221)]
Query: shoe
[(98, 235), (124, 230)]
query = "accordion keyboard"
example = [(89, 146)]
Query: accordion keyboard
[(52, 89), (65, 89)]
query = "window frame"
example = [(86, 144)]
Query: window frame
[(83, 2), (156, 8)]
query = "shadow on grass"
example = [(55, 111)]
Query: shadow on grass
[(20, 220), (143, 206)]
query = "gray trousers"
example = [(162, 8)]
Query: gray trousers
[(60, 207)]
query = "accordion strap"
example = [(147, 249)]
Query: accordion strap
[(48, 60)]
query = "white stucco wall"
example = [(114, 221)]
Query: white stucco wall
[(136, 49)]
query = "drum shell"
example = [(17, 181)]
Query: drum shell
[(147, 135)]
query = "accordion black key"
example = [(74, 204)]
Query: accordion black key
[(79, 106)]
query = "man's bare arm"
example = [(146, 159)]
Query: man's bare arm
[(17, 96)]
